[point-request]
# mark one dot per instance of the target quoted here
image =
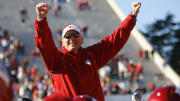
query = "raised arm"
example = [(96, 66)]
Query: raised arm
[(44, 40), (135, 8), (41, 11), (111, 45)]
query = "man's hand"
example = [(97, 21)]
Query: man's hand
[(41, 11), (136, 6)]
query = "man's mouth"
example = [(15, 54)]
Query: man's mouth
[(73, 44)]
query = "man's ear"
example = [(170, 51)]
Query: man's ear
[(60, 41)]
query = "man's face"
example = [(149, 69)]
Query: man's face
[(72, 41)]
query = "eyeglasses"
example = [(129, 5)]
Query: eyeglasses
[(69, 36)]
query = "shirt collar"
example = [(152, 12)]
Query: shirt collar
[(64, 50)]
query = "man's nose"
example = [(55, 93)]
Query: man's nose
[(73, 38)]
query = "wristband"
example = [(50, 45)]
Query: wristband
[(133, 15)]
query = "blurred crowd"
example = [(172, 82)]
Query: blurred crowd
[(121, 75), (26, 82)]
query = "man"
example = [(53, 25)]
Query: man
[(73, 69)]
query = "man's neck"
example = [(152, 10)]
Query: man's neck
[(75, 51)]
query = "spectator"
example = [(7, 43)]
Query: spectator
[(59, 34), (84, 31), (56, 7), (23, 13), (6, 92)]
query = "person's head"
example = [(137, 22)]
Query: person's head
[(166, 93), (72, 38)]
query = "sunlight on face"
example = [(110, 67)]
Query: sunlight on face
[(72, 44)]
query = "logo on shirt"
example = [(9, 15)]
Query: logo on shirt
[(88, 62)]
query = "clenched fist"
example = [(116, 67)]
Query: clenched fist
[(136, 6), (41, 11)]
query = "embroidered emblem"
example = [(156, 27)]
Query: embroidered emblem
[(88, 62), (70, 26)]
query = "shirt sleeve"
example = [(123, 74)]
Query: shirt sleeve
[(44, 41), (111, 45)]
